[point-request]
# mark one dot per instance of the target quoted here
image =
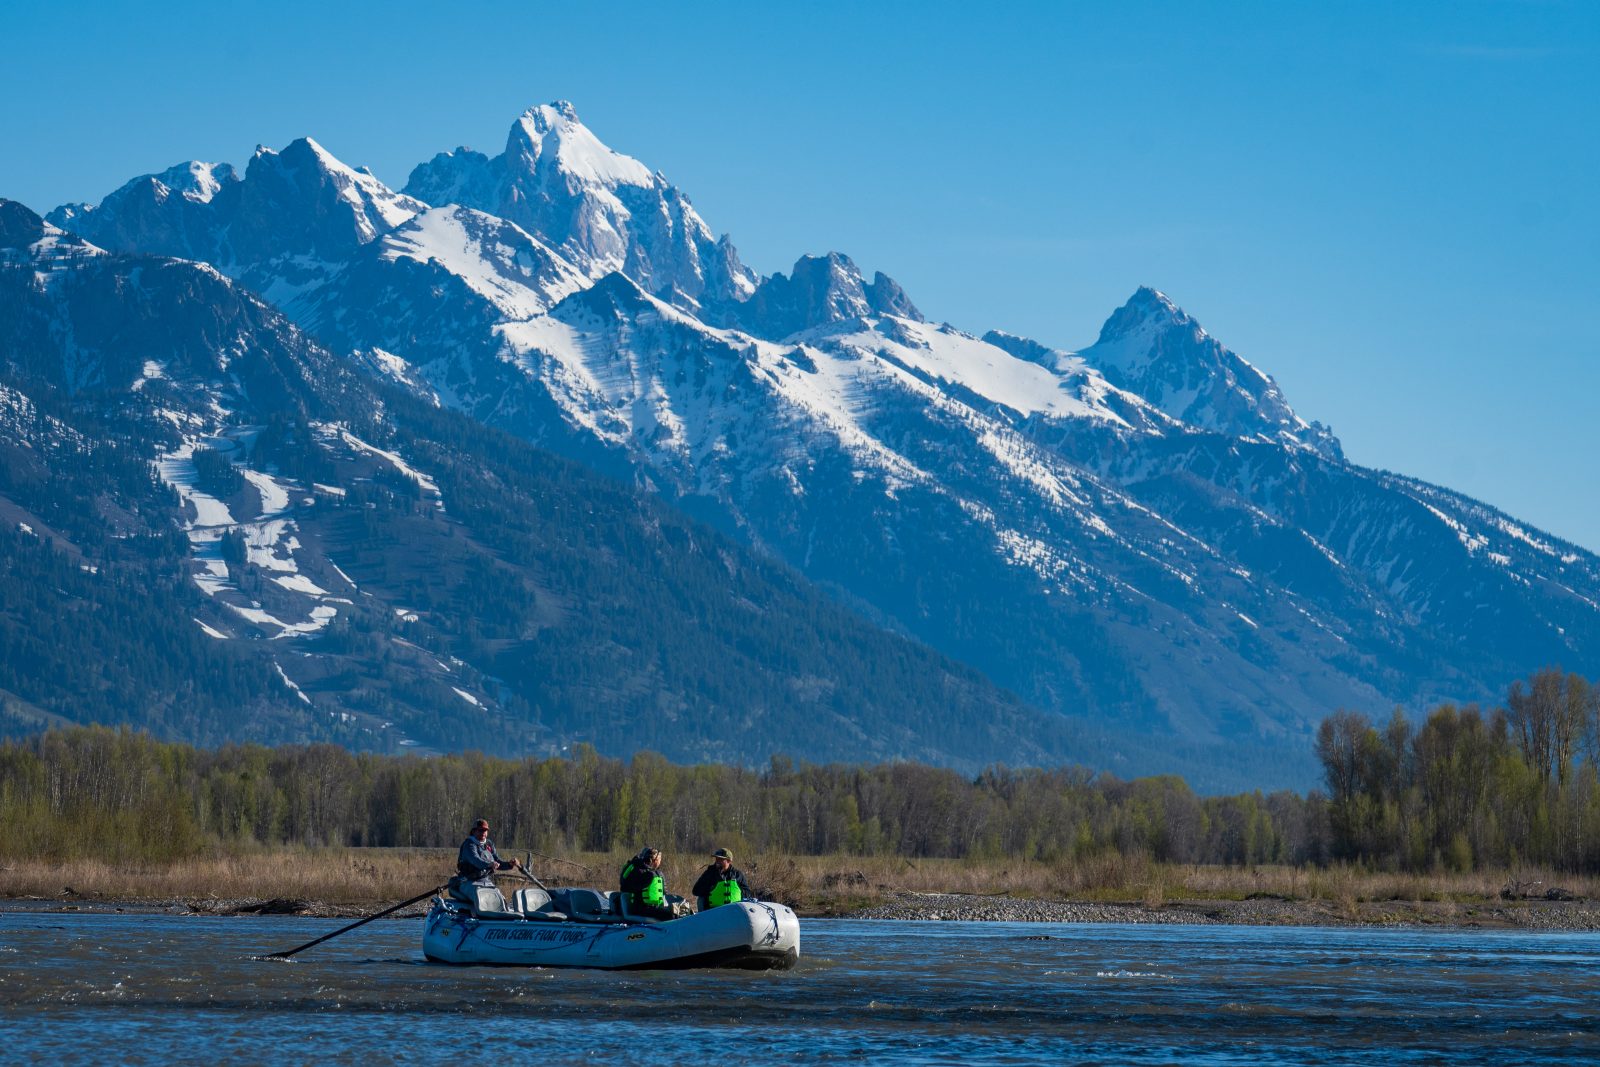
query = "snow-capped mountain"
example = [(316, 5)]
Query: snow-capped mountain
[(1141, 537), (601, 210), (1150, 347), (167, 214), (283, 229), (217, 529), (300, 202)]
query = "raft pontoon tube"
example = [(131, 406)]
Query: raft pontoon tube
[(577, 927)]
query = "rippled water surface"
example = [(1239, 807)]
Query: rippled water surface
[(159, 988)]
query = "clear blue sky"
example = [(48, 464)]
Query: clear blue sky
[(1391, 208)]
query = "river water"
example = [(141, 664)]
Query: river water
[(164, 989)]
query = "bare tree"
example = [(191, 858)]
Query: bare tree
[(1340, 740), (1548, 719)]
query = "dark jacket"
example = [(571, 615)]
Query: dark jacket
[(476, 862), (634, 882), (711, 876)]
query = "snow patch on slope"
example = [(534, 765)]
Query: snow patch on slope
[(270, 544), (496, 259), (942, 354)]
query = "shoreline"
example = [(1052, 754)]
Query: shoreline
[(1530, 915), (1568, 915)]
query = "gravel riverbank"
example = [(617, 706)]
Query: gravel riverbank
[(1267, 911)]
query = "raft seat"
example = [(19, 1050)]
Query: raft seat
[(528, 901), (586, 905), (536, 904), (587, 902), (627, 912), (491, 905)]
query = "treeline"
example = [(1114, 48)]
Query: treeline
[(1471, 788), (125, 797), (1468, 789)]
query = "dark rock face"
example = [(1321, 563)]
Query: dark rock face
[(19, 227), (820, 290), (1024, 348), (174, 213), (885, 297)]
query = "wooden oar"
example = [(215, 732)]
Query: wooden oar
[(527, 872), (358, 922), (569, 863)]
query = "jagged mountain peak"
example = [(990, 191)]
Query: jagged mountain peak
[(1153, 348), (165, 213), (313, 169), (818, 291), (551, 136), (459, 177), (311, 150), (611, 294), (19, 226), (304, 200), (549, 151), (1147, 310), (834, 281), (555, 115), (194, 180), (600, 209), (301, 200), (888, 298)]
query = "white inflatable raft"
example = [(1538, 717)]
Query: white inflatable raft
[(574, 927)]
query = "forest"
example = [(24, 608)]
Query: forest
[(1469, 787), (1466, 789)]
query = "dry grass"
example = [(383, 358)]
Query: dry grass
[(336, 876), (839, 882), (350, 876)]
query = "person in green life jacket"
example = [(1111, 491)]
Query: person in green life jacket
[(721, 883), (644, 889)]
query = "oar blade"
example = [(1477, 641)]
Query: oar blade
[(359, 922)]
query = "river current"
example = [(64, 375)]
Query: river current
[(110, 988)]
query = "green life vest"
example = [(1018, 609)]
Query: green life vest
[(726, 891), (653, 894)]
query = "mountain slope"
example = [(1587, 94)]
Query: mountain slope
[(329, 557)]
